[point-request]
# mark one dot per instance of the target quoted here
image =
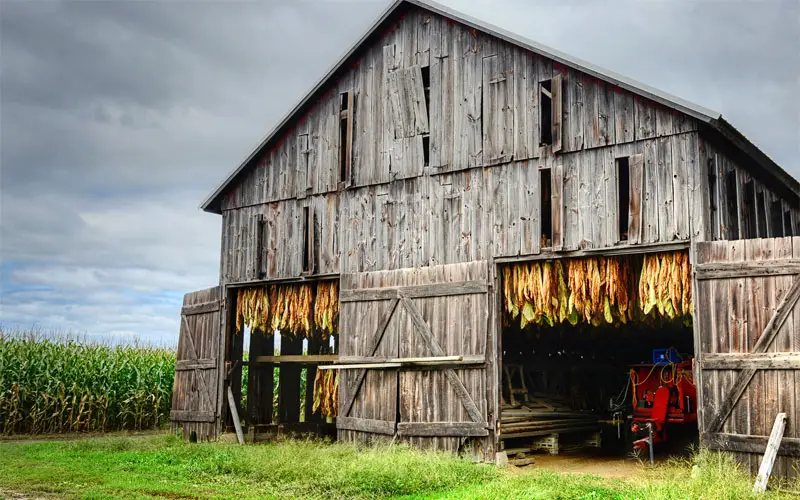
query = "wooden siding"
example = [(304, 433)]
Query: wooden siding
[(742, 222), (473, 214), (746, 282), (484, 110)]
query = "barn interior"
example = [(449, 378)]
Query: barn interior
[(280, 334), (579, 375)]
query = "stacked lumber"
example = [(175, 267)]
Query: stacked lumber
[(541, 417)]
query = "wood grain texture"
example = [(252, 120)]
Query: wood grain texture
[(197, 377)]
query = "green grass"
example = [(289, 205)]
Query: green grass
[(52, 384), (153, 466)]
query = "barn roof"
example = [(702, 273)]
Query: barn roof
[(712, 119)]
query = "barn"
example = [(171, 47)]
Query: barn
[(468, 241)]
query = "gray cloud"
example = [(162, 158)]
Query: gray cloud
[(117, 118)]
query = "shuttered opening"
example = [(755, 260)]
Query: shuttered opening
[(569, 356), (273, 359)]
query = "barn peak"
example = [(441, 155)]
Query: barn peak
[(709, 120)]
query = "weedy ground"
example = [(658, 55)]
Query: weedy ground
[(164, 466)]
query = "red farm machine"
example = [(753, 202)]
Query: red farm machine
[(663, 393)]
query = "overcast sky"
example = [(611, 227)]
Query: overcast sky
[(118, 117)]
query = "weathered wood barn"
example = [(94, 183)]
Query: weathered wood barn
[(436, 158)]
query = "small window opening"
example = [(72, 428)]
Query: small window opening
[(749, 229), (787, 223), (426, 83), (761, 214), (776, 219), (426, 139), (546, 206), (308, 240), (732, 205), (261, 224), (545, 113), (345, 136), (712, 188), (623, 196)]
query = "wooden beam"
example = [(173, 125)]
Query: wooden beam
[(414, 291), (765, 340), (366, 425), (757, 361), (446, 429), (191, 416), (298, 358), (235, 416), (427, 336), (747, 269), (768, 461), (621, 249), (790, 447), (373, 348), (469, 358), (203, 307), (432, 362), (196, 364), (361, 366)]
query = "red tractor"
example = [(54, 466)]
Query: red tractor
[(663, 392)]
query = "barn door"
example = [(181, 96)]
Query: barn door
[(440, 311), (747, 328), (195, 393)]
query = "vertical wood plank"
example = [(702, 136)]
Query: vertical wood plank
[(636, 199), (557, 120), (557, 180)]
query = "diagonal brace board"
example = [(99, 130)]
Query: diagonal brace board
[(767, 337), (373, 348), (437, 350)]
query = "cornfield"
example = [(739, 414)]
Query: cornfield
[(51, 384)]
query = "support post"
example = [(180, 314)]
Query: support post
[(770, 454), (235, 416)]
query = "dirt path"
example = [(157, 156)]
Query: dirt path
[(607, 467)]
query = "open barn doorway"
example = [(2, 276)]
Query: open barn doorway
[(279, 335), (597, 357)]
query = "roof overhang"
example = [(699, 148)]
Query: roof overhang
[(712, 119)]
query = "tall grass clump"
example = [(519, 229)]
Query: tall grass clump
[(52, 384)]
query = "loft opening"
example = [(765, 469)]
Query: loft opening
[(546, 206), (426, 138), (624, 197), (588, 362), (546, 112), (346, 111)]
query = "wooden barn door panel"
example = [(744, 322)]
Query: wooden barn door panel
[(417, 313), (194, 398), (367, 398), (440, 408), (748, 328)]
